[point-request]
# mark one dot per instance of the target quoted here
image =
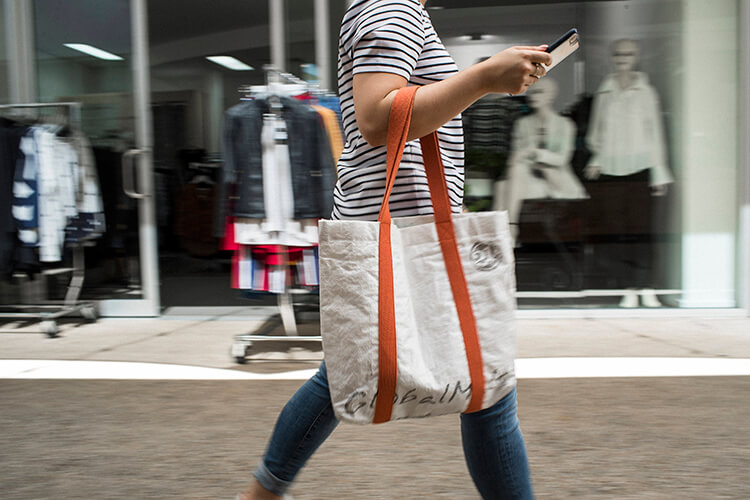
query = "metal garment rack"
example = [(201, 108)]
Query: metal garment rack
[(275, 79), (48, 313)]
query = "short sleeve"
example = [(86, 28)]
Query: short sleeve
[(389, 39)]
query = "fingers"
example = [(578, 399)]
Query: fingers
[(533, 47), (533, 72), (536, 62), (538, 70), (529, 66), (536, 56)]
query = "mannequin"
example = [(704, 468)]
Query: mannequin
[(542, 147), (629, 165)]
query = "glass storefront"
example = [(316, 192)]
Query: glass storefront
[(104, 89), (190, 95), (621, 169)]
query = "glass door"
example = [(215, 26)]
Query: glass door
[(192, 87), (96, 53)]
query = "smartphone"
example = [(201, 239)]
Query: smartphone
[(563, 47)]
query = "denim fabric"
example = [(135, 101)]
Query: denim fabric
[(242, 169), (493, 444), (310, 156), (303, 425), (495, 451), (311, 159)]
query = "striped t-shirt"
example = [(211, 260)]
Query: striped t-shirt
[(391, 36)]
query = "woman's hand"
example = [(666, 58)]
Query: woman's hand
[(514, 69)]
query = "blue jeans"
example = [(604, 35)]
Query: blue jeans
[(493, 444)]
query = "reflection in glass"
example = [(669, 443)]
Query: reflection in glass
[(629, 166), (543, 145), (104, 89)]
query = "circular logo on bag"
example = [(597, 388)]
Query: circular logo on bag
[(486, 256)]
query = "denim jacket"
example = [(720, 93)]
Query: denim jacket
[(311, 161)]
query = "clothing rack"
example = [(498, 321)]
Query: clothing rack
[(276, 80), (49, 312), (73, 109)]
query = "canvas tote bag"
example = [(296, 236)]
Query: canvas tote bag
[(417, 313)]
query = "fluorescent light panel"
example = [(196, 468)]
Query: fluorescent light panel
[(230, 62), (93, 51)]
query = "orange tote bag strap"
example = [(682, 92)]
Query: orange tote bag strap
[(452, 258), (398, 127)]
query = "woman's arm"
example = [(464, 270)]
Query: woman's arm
[(435, 104)]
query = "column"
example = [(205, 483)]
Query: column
[(709, 173), (19, 39), (322, 47), (744, 250), (278, 37)]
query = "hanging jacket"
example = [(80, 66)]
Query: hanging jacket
[(26, 189), (89, 221), (45, 192), (310, 156)]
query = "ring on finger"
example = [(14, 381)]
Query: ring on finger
[(537, 67)]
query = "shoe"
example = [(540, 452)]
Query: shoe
[(629, 300), (649, 298)]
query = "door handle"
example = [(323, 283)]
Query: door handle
[(129, 171)]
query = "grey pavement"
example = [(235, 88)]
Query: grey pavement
[(206, 340), (617, 438)]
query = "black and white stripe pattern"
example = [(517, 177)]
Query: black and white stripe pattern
[(391, 36)]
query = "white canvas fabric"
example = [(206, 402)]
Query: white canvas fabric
[(433, 374)]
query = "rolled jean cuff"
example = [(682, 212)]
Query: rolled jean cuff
[(270, 482)]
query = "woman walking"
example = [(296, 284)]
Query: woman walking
[(385, 45)]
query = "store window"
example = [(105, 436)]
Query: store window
[(619, 169), (191, 97)]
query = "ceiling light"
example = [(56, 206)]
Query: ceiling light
[(230, 62), (93, 51)]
